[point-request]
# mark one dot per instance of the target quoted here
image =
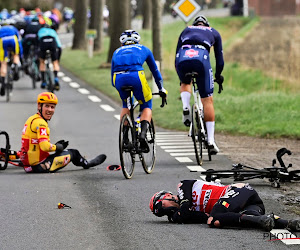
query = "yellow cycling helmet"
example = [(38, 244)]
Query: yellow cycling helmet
[(47, 97)]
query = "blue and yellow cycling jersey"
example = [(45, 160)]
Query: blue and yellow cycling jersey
[(129, 58), (43, 32), (9, 40)]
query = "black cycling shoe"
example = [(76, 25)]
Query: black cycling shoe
[(96, 161), (267, 223), (294, 225), (144, 146)]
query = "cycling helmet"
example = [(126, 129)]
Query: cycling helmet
[(201, 19), (129, 37), (47, 97), (156, 204)]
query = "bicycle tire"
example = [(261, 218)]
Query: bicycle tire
[(127, 156), (196, 136), (7, 148), (148, 159), (294, 175), (34, 74), (8, 85)]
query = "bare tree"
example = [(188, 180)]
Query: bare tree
[(80, 25), (147, 10), (96, 21), (119, 21), (156, 30)]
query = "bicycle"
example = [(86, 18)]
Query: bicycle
[(275, 175), (49, 75), (33, 69), (129, 145), (197, 129), (9, 77), (7, 155)]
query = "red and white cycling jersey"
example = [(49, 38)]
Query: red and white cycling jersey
[(205, 195)]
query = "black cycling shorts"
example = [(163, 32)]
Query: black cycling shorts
[(48, 43)]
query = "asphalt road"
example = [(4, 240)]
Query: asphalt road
[(108, 211)]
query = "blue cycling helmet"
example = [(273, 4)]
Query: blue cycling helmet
[(201, 19), (129, 37)]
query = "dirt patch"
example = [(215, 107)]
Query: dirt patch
[(274, 47)]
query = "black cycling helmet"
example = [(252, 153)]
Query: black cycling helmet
[(201, 19), (156, 204)]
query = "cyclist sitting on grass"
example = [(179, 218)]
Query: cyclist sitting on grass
[(10, 40), (49, 40), (235, 205), (36, 144), (192, 55), (127, 70)]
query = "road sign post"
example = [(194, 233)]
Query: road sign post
[(91, 34), (186, 9)]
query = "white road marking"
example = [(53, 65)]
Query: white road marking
[(117, 117), (66, 79), (94, 98), (285, 236), (171, 143), (183, 159), (107, 108), (178, 146), (74, 85), (179, 150), (83, 91), (60, 74), (182, 154)]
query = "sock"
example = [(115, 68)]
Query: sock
[(185, 98), (144, 127), (55, 73), (210, 127), (2, 79), (43, 76)]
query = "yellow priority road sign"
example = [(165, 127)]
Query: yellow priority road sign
[(186, 9)]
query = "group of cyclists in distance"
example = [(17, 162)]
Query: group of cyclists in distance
[(22, 30)]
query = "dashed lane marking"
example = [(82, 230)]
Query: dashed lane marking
[(83, 91), (66, 79), (183, 159), (60, 74), (107, 108), (94, 98), (117, 117), (74, 85)]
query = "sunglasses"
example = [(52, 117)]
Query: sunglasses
[(113, 168)]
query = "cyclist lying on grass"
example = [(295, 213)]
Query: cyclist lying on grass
[(36, 144), (235, 205)]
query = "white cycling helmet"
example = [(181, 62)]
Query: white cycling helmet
[(201, 19), (129, 37)]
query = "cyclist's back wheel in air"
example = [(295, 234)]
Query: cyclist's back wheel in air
[(126, 147)]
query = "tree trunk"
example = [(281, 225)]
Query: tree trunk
[(119, 13), (147, 10), (96, 21), (80, 24), (156, 30)]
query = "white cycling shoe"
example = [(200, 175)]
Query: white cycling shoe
[(213, 148), (186, 117)]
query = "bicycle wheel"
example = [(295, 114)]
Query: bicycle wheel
[(295, 175), (50, 85), (148, 159), (8, 84), (34, 74), (126, 146), (196, 135), (4, 154)]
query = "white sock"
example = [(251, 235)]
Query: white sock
[(185, 98), (210, 127)]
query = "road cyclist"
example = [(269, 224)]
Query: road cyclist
[(192, 55)]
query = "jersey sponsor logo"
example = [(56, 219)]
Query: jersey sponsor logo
[(206, 198), (66, 160), (43, 131), (194, 200), (191, 53), (34, 141), (180, 191), (24, 129), (230, 193)]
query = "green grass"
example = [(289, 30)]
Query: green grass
[(251, 103)]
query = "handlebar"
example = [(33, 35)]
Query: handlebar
[(281, 152), (163, 100)]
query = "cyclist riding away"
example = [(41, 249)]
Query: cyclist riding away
[(10, 41), (30, 37), (235, 205), (192, 55), (127, 70), (36, 146), (49, 40)]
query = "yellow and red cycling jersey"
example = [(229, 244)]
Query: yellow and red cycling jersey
[(35, 141)]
